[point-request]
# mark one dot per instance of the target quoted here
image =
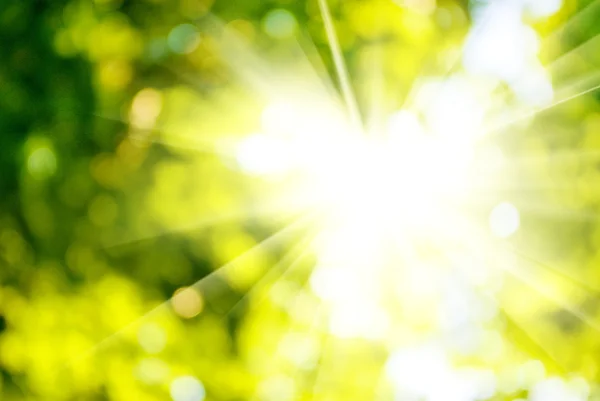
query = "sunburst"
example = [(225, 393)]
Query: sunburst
[(409, 221)]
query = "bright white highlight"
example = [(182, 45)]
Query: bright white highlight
[(394, 256), (502, 47), (187, 388), (349, 282), (359, 319), (543, 8), (555, 389), (304, 119), (504, 220), (453, 108), (534, 87), (277, 117), (396, 178), (425, 372), (404, 123), (396, 181), (264, 155)]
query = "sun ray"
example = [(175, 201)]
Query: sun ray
[(512, 120), (300, 372), (555, 66), (526, 279), (542, 350), (384, 213), (288, 262), (558, 212), (577, 86), (235, 52), (555, 37), (560, 69), (222, 147), (510, 248), (340, 66), (452, 68), (327, 346), (201, 285), (191, 80), (559, 272), (511, 116), (308, 328), (524, 276), (271, 81), (375, 95), (314, 60), (283, 208), (553, 158)]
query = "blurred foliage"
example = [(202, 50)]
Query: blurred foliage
[(114, 200)]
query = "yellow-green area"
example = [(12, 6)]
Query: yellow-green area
[(138, 261)]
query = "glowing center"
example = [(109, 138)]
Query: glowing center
[(401, 175), (401, 178)]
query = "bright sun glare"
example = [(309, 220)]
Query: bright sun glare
[(375, 187), (401, 182), (363, 172), (402, 255)]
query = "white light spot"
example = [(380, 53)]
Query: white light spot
[(359, 319), (555, 389), (530, 373), (504, 220), (325, 281), (453, 109), (304, 119), (403, 125), (264, 155), (279, 24), (187, 388), (413, 370), (277, 117), (501, 45), (543, 8), (534, 87)]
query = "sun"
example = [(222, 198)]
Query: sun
[(377, 192)]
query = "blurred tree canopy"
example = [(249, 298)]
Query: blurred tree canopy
[(115, 198)]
